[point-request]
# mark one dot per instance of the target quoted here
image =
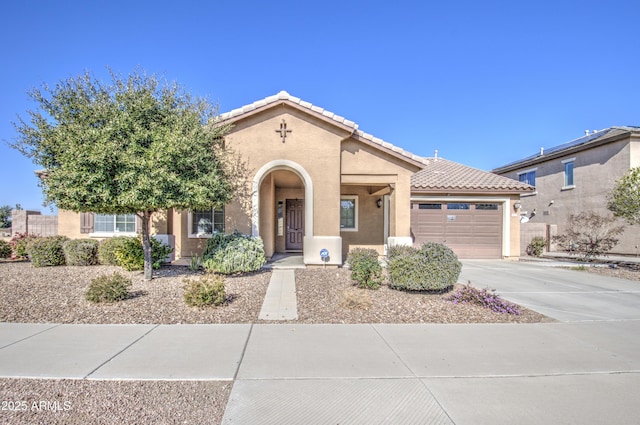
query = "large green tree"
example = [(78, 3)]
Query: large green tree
[(135, 144), (624, 200)]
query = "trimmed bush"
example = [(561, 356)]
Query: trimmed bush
[(5, 249), (108, 288), (126, 252), (81, 252), (129, 254), (234, 253), (536, 246), (366, 270), (19, 244), (400, 250), (47, 251), (107, 250), (484, 298), (205, 291), (432, 267)]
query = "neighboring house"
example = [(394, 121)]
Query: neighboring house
[(318, 182), (578, 176)]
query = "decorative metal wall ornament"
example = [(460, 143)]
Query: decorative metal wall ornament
[(283, 130)]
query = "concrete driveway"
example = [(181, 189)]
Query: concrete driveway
[(565, 295)]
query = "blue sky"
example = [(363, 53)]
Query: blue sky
[(484, 83)]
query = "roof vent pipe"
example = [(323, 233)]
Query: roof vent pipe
[(586, 132), (541, 151), (435, 155)]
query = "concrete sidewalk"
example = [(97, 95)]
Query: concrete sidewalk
[(585, 373)]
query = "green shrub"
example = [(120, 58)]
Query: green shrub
[(19, 244), (234, 253), (432, 267), (366, 271), (536, 246), (205, 291), (5, 249), (129, 255), (400, 250), (47, 251), (108, 288), (159, 252), (81, 252), (107, 250)]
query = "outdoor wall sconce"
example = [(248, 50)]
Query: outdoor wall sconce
[(379, 202), (517, 206)]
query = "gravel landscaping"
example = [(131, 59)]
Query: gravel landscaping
[(56, 295), (80, 402)]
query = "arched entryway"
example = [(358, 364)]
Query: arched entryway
[(282, 206)]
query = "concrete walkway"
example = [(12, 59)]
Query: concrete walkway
[(280, 301), (582, 373)]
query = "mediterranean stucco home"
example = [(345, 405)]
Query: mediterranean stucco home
[(320, 183), (576, 176)]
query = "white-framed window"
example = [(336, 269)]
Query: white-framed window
[(206, 223), (348, 213), (114, 224), (568, 173), (528, 177)]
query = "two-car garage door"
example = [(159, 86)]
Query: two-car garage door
[(471, 230)]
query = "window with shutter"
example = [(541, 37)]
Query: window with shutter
[(86, 222)]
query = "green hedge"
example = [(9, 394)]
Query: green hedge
[(432, 267), (126, 252), (366, 270), (81, 252), (47, 251), (233, 253), (107, 250)]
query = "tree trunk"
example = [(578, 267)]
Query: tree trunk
[(146, 245)]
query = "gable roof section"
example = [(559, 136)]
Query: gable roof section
[(444, 176), (285, 98), (594, 139)]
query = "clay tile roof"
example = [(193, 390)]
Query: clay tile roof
[(441, 175), (283, 95)]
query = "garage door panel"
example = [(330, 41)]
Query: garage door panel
[(472, 233)]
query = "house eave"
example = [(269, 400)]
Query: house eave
[(467, 191)]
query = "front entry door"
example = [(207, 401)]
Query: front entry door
[(295, 224)]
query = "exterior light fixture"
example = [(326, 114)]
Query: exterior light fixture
[(517, 206), (379, 202)]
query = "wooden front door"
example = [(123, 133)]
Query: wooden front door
[(295, 224)]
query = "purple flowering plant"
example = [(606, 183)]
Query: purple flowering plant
[(485, 298)]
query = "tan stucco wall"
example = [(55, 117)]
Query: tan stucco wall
[(595, 171), (69, 224), (370, 232), (514, 227), (363, 164), (312, 144), (634, 152)]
